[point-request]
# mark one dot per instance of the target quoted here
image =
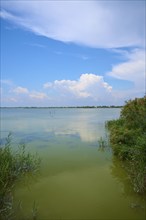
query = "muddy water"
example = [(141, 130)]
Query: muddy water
[(78, 179)]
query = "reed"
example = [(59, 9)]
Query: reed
[(13, 166), (103, 144)]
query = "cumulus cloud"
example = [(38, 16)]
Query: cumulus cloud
[(106, 24), (88, 89), (30, 94), (20, 96), (87, 86)]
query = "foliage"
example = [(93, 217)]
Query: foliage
[(13, 166), (128, 140)]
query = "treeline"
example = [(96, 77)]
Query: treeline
[(128, 141), (102, 106)]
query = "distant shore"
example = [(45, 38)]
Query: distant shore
[(33, 107)]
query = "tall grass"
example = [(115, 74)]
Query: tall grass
[(13, 166)]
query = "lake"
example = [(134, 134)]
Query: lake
[(78, 179)]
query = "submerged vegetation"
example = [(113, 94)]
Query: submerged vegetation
[(128, 141), (13, 166)]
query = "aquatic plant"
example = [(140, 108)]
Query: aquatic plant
[(13, 166), (34, 211), (103, 144), (128, 141)]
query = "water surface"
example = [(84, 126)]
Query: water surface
[(78, 179)]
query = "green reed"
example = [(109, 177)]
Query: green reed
[(13, 166)]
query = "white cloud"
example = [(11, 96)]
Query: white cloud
[(21, 96), (106, 24), (38, 95), (88, 89), (132, 70), (29, 94), (20, 90), (89, 86), (47, 85)]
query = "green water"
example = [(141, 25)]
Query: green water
[(78, 180)]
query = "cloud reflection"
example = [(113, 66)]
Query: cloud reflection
[(88, 125)]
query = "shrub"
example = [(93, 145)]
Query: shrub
[(128, 140)]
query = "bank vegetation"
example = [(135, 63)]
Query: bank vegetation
[(14, 166), (128, 141)]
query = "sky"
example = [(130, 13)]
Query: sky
[(72, 53)]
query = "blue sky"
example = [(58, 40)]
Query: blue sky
[(68, 53)]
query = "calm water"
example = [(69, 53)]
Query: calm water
[(78, 180)]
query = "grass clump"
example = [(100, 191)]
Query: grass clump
[(128, 141), (13, 166)]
